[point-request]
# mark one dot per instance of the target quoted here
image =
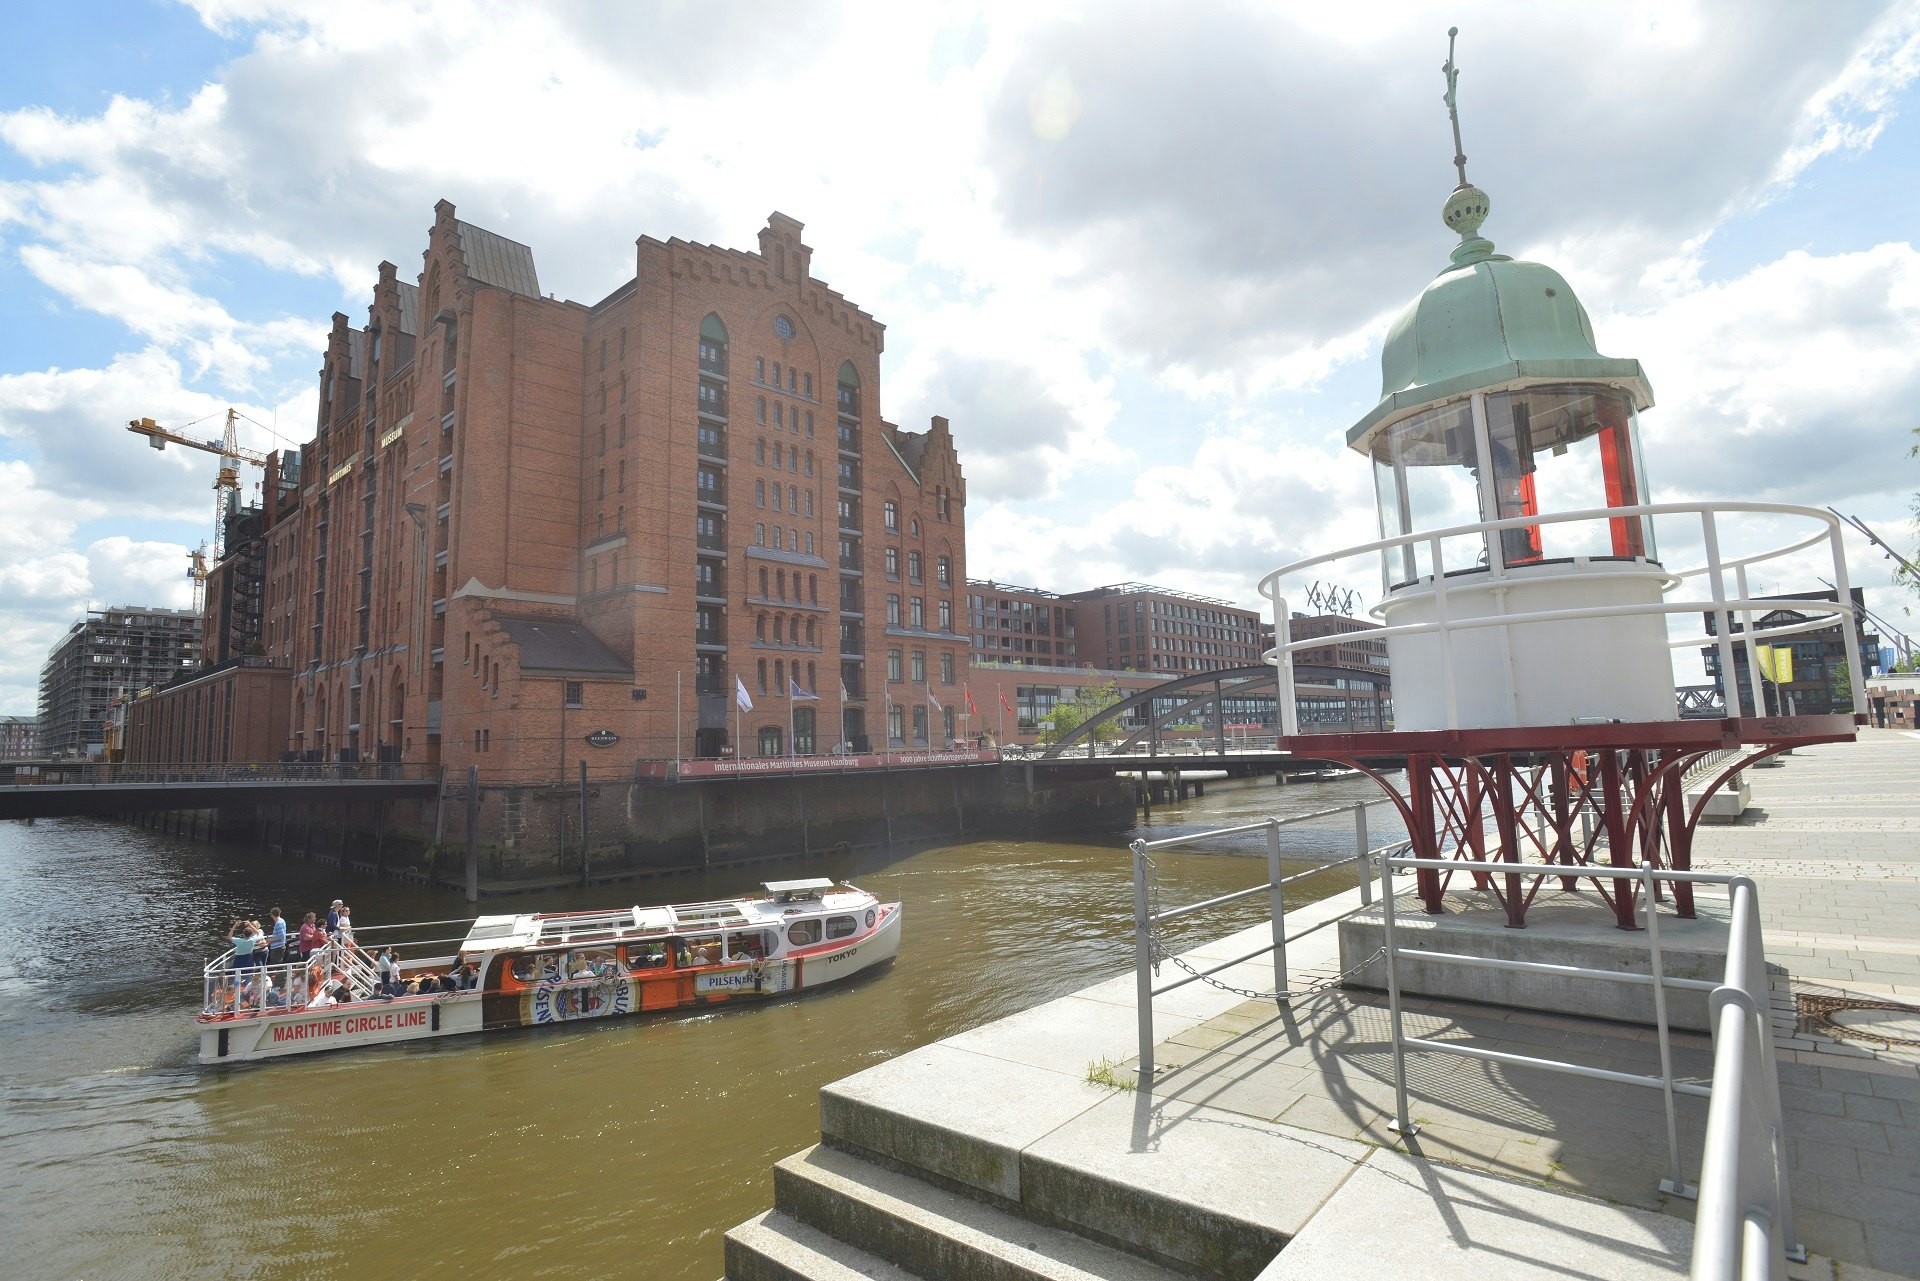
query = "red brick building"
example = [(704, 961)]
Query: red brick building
[(1140, 627), (236, 713), (1021, 626), (523, 521)]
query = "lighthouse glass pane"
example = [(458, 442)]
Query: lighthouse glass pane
[(1425, 478), (1565, 449)]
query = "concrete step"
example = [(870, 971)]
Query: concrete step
[(935, 1233), (776, 1247)]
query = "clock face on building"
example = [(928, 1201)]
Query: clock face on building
[(783, 329)]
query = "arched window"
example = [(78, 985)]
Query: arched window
[(849, 390), (713, 345)]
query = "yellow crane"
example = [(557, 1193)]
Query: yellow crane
[(226, 486)]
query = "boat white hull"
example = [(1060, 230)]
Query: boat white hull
[(419, 1018)]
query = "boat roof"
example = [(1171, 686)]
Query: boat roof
[(547, 929)]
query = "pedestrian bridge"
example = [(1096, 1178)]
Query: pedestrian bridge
[(94, 790)]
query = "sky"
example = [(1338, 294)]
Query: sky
[(1141, 255)]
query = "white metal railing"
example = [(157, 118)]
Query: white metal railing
[(1718, 603), (1147, 916), (1745, 1212)]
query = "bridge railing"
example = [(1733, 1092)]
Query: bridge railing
[(102, 773)]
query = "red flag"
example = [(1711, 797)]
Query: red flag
[(1003, 701), (968, 695)]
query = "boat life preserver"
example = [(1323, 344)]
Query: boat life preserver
[(869, 918)]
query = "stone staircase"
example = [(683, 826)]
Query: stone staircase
[(917, 1201)]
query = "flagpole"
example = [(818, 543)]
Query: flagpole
[(679, 724), (790, 702)]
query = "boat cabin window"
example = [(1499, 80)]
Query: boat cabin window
[(523, 968), (839, 927), (802, 933), (593, 963), (646, 956), (750, 945), (702, 949)]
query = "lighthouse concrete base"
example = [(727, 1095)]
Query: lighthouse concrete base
[(1563, 928)]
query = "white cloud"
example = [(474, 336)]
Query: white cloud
[(1047, 208)]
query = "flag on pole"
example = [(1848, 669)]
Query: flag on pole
[(740, 695), (844, 696), (1003, 701), (799, 693), (934, 701), (967, 693)]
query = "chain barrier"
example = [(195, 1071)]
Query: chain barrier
[(1160, 953)]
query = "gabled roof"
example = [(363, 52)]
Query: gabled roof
[(554, 645), (409, 308), (494, 260)]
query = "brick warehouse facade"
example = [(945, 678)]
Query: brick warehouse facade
[(522, 520)]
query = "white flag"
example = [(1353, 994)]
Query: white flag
[(740, 695), (799, 693), (934, 701)]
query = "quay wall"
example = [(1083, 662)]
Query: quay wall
[(531, 831)]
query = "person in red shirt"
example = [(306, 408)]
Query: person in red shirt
[(311, 937)]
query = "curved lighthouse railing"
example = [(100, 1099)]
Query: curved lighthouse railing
[(1718, 603)]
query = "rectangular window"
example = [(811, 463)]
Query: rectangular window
[(946, 668), (943, 571), (893, 611), (919, 668), (891, 515), (779, 416), (762, 411), (893, 664), (576, 693), (917, 616), (946, 615), (807, 384), (913, 566), (892, 556)]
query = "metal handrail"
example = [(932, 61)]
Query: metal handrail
[(1745, 1213), (1145, 918), (1720, 605)]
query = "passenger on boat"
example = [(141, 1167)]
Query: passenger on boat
[(464, 976), (221, 1001), (242, 939), (333, 918), (312, 937), (276, 937), (345, 932), (388, 969)]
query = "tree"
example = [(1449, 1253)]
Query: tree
[(1088, 702)]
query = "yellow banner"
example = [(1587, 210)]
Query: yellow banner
[(1775, 662)]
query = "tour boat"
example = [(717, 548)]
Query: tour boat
[(546, 967)]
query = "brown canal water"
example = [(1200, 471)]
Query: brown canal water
[(622, 1149)]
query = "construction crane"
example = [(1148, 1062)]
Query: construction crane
[(226, 486), (226, 482)]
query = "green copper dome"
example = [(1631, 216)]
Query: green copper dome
[(1488, 322)]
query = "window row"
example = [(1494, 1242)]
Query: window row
[(793, 498), (793, 457), (917, 666), (784, 540), (797, 383)]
